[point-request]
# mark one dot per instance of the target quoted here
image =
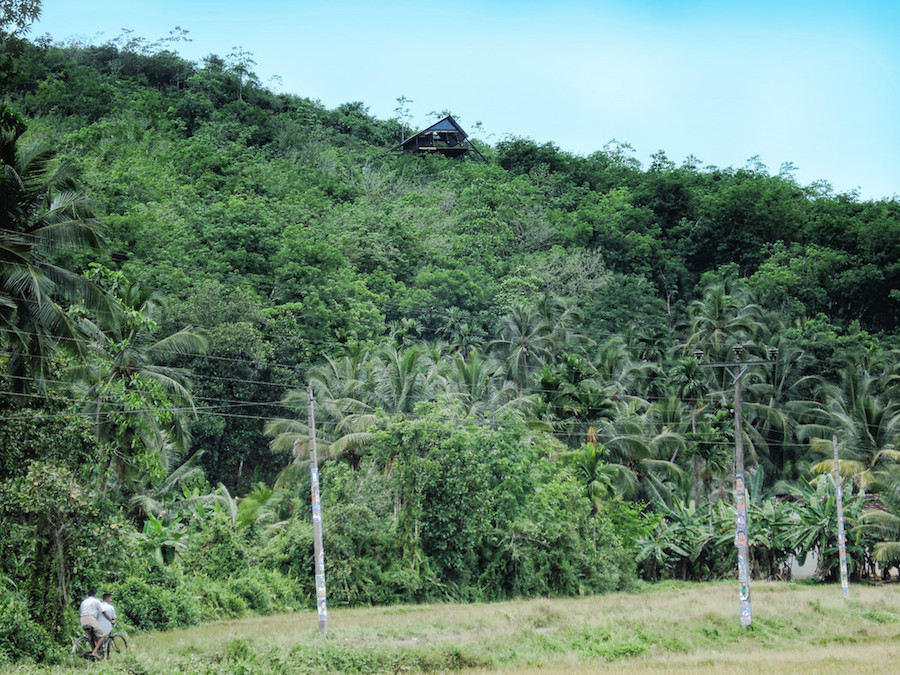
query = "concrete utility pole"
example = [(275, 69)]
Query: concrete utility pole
[(839, 495), (318, 550), (737, 369)]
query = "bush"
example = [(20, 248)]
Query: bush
[(215, 599), (149, 607), (254, 592), (22, 638), (288, 594), (218, 551), (290, 551)]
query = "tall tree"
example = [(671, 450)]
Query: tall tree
[(725, 315), (141, 405), (644, 449), (524, 343), (476, 387), (884, 526), (41, 214), (345, 419), (866, 424)]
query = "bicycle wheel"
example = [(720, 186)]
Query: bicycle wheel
[(116, 644), (81, 651)]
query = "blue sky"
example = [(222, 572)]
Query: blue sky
[(816, 84)]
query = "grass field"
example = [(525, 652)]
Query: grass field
[(665, 628)]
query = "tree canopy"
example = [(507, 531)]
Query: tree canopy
[(501, 352)]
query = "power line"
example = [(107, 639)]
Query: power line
[(217, 410), (88, 342), (649, 399)]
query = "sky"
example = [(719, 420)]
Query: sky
[(815, 85)]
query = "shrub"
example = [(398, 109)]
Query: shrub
[(254, 592), (290, 551), (218, 551), (215, 599), (22, 638), (150, 607), (287, 593)]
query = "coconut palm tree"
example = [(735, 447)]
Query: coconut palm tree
[(402, 378), (461, 331), (524, 344), (564, 319), (404, 331), (475, 387), (884, 525), (815, 526), (41, 213), (351, 393), (573, 398), (170, 495), (867, 426), (724, 316), (345, 419), (688, 382), (643, 451), (599, 477), (616, 368), (774, 397), (141, 406)]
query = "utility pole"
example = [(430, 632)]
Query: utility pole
[(737, 369), (318, 550), (842, 545)]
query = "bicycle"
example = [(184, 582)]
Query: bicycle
[(83, 647)]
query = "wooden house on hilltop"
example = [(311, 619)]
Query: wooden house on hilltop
[(444, 137)]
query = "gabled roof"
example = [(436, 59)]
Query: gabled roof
[(446, 124), (445, 137)]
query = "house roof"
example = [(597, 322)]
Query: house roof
[(445, 137), (446, 124)]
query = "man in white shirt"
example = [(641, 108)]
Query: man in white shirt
[(90, 612), (108, 617)]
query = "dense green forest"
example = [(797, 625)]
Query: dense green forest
[(502, 352)]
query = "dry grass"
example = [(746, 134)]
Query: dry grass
[(666, 628)]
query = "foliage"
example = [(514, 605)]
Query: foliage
[(53, 519), (41, 213), (18, 15), (883, 526), (145, 606), (501, 355), (22, 637), (816, 511)]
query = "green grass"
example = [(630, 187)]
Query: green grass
[(670, 627)]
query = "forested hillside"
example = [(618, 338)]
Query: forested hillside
[(502, 353)]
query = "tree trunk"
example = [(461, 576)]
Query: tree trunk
[(62, 583)]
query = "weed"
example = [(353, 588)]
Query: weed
[(238, 650), (880, 617), (836, 640), (544, 616), (130, 665), (711, 632)]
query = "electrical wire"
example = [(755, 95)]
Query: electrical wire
[(645, 427), (712, 399), (231, 403)]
